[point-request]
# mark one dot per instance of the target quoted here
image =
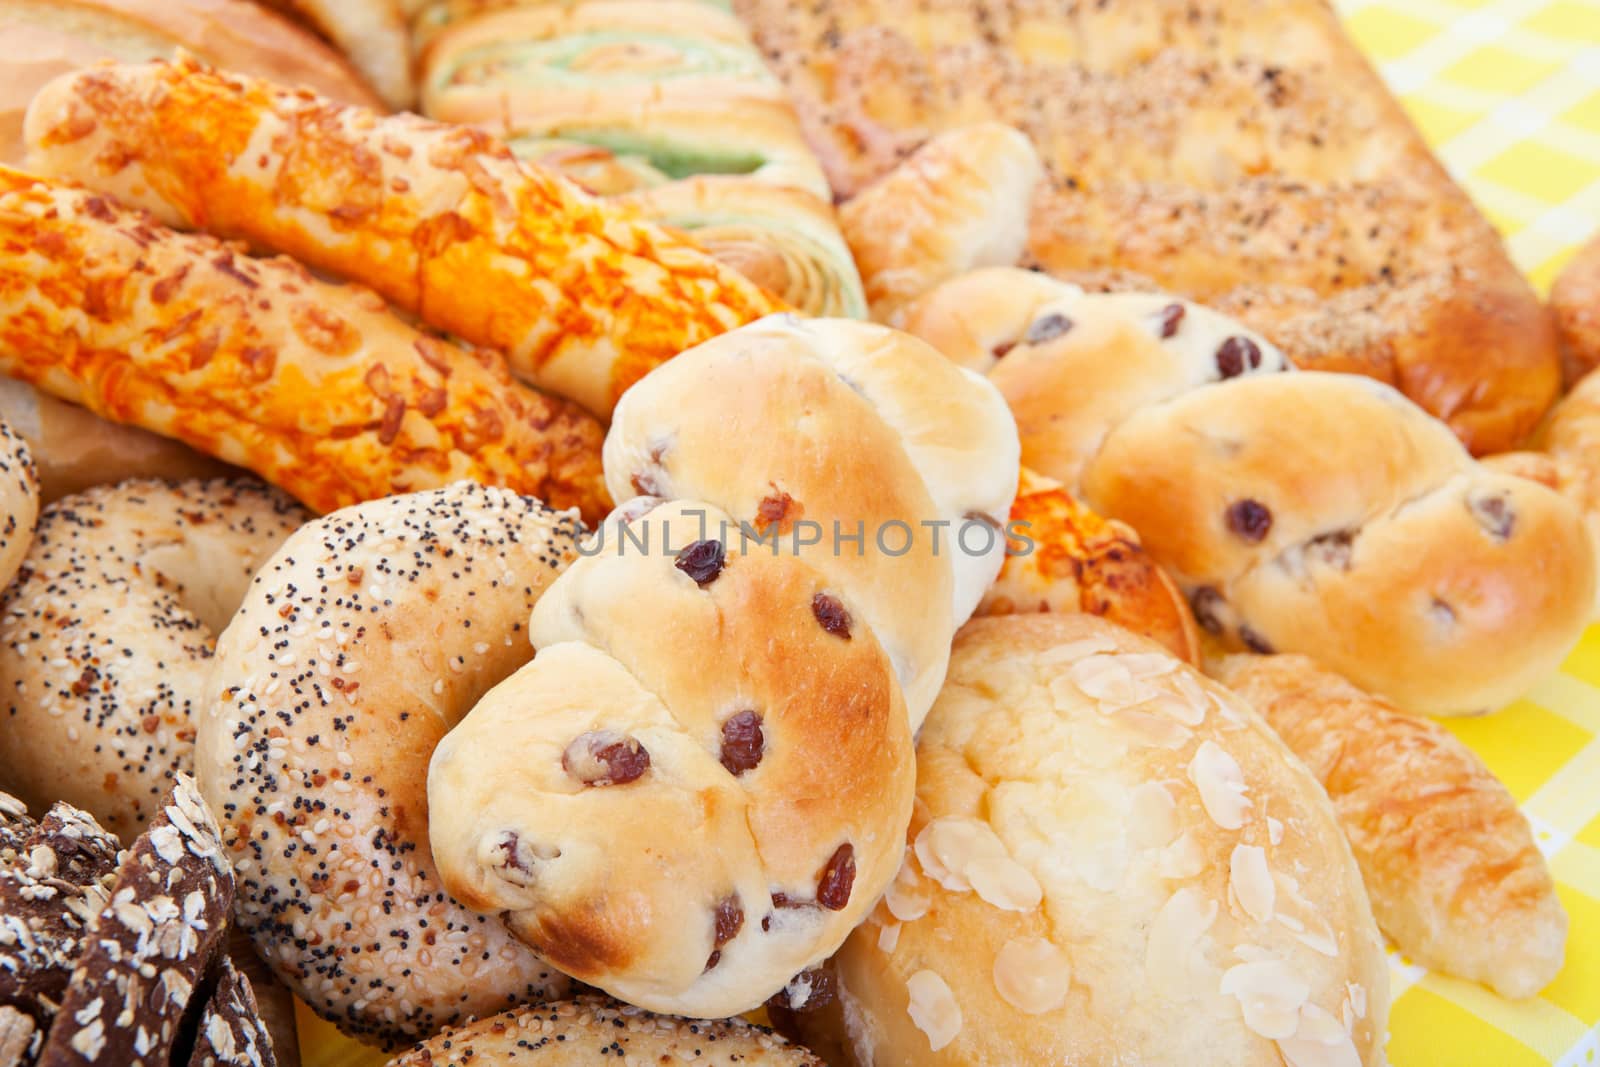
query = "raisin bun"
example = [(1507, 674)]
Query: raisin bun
[(589, 1030), (1111, 859)]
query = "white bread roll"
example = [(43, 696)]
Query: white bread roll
[(40, 39), (1111, 860)]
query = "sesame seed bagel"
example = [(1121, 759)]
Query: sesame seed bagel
[(106, 637), (368, 635), (19, 501), (590, 1030)]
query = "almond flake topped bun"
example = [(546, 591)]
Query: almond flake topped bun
[(1112, 859)]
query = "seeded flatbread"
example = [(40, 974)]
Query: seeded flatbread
[(56, 878), (231, 1032), (150, 946)]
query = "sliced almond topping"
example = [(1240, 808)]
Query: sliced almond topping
[(908, 896), (1194, 694), (1302, 919), (1148, 665), (1032, 975), (1275, 830), (1182, 858), (947, 847), (1073, 651), (1175, 933), (1156, 731), (1217, 776), (1357, 994), (933, 1009), (888, 937), (1152, 815), (1179, 708), (1250, 881), (1270, 994), (1005, 883), (1106, 681), (1319, 1041)]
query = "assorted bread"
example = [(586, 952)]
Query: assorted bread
[(443, 221), (665, 102), (742, 708), (41, 39), (628, 655), (1244, 155), (1111, 858), (1300, 512), (314, 386)]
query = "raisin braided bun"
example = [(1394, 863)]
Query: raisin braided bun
[(1301, 512), (697, 788)]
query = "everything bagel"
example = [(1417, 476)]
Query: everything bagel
[(357, 647), (105, 639)]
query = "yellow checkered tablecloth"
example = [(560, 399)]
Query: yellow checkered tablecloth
[(1508, 92)]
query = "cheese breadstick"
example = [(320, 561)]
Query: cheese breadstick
[(315, 387)]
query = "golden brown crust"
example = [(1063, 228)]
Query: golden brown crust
[(40, 39), (1368, 537), (1111, 860), (315, 387), (1448, 859), (960, 202), (1239, 153), (590, 1030), (1575, 300), (1074, 560), (756, 678), (1324, 514), (443, 221), (373, 34), (75, 449)]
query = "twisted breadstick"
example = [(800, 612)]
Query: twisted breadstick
[(697, 787), (315, 387), (441, 220), (1311, 512)]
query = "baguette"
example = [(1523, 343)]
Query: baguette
[(313, 386), (373, 34), (1241, 153), (1449, 862), (443, 221)]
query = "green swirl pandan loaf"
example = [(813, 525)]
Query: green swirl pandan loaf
[(664, 102)]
